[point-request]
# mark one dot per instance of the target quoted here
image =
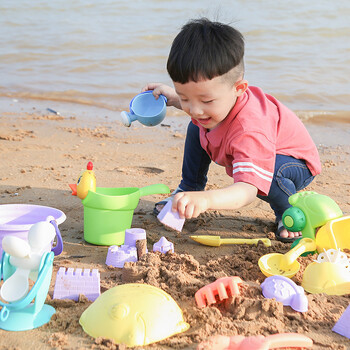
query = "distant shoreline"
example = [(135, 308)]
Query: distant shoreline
[(326, 128)]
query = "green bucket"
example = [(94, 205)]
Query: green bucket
[(108, 212)]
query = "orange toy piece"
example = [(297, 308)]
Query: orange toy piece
[(259, 342), (224, 288)]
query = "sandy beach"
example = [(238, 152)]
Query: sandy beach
[(42, 152)]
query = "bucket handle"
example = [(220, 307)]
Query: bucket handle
[(153, 189), (57, 250)]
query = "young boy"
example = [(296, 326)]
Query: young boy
[(262, 144)]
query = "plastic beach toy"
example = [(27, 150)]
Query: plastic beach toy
[(222, 288), (25, 257), (146, 109), (217, 241), (132, 235), (24, 314), (334, 234), (283, 289), (169, 218), (117, 256), (309, 211), (134, 315), (259, 342), (329, 274), (163, 246), (342, 325), (17, 219), (285, 264), (70, 283), (86, 182), (108, 211)]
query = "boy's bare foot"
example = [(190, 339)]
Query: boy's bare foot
[(284, 233)]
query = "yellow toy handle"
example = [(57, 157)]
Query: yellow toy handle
[(305, 245)]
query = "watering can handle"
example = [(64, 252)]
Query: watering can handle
[(153, 189), (57, 250)]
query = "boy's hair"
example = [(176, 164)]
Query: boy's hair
[(204, 50)]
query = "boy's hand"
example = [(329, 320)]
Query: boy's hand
[(190, 204), (165, 90)]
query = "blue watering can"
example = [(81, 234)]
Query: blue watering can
[(146, 109)]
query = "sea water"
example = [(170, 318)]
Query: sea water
[(100, 53)]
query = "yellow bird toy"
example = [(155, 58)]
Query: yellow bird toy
[(86, 182)]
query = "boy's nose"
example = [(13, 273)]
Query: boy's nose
[(196, 111)]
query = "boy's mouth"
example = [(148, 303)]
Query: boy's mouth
[(204, 121)]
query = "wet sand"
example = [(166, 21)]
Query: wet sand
[(42, 152)]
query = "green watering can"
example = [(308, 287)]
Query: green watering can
[(108, 212)]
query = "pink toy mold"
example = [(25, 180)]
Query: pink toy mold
[(72, 282), (170, 218)]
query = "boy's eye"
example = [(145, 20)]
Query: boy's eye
[(209, 101)]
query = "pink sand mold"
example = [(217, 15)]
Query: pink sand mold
[(118, 256), (72, 282), (163, 246), (134, 234), (256, 342), (284, 290), (342, 326), (223, 288), (170, 218)]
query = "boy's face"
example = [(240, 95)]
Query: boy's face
[(209, 101)]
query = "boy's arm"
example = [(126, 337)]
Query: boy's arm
[(165, 90), (191, 204)]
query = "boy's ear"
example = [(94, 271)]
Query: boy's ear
[(241, 86)]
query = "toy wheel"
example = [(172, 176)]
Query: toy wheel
[(294, 219)]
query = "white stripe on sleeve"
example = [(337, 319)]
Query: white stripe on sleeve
[(251, 167)]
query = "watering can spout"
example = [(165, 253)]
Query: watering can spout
[(127, 118)]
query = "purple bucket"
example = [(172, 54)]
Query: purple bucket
[(17, 219)]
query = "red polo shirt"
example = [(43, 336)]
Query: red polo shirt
[(247, 140)]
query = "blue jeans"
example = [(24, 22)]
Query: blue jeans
[(290, 175)]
